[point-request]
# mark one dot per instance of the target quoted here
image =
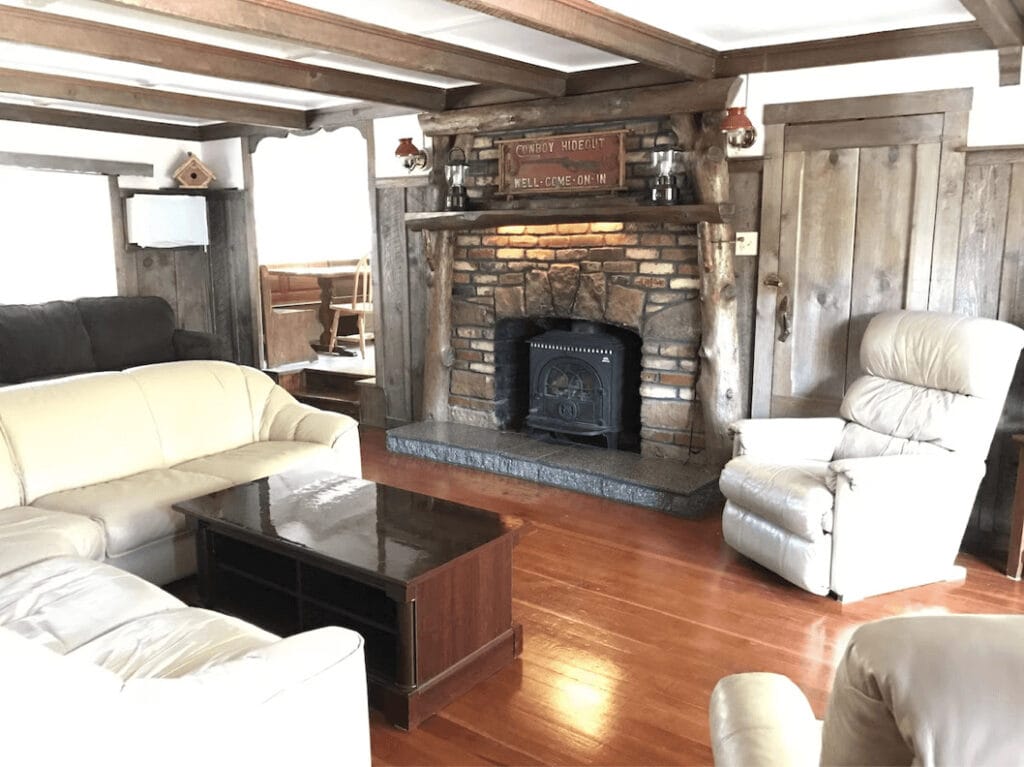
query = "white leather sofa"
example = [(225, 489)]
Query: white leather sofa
[(877, 499), (89, 468), (921, 690), (96, 461)]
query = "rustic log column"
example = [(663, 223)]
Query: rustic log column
[(439, 250), (719, 384)]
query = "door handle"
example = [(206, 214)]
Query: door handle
[(773, 280), (785, 319)]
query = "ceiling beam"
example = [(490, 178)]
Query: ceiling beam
[(75, 164), (609, 106), (318, 30), (590, 24), (1000, 19), (877, 46), (64, 33), (67, 118), (146, 99)]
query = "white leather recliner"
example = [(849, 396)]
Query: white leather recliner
[(921, 690), (877, 499)]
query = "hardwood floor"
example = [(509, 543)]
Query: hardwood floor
[(630, 617)]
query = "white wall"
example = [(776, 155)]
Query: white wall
[(996, 117)]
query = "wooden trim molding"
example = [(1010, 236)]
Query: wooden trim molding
[(892, 105), (75, 164), (1000, 19), (897, 44), (994, 155), (87, 121)]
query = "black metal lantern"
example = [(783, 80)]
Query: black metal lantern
[(455, 171)]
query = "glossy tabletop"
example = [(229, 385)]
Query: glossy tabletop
[(395, 534)]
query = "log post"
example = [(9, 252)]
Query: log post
[(719, 384), (439, 248)]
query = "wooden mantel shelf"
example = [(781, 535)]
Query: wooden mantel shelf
[(483, 219)]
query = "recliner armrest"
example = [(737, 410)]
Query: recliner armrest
[(760, 720), (193, 345), (780, 438)]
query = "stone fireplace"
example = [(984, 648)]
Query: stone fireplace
[(512, 283)]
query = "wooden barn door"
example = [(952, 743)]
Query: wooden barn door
[(855, 220)]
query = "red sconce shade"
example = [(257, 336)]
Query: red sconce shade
[(740, 131), (410, 156)]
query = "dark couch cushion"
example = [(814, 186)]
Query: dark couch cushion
[(41, 341), (128, 331)]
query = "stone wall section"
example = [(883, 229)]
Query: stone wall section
[(638, 276)]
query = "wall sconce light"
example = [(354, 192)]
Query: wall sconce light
[(410, 156), (736, 126)]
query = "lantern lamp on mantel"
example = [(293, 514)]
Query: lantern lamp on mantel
[(410, 156), (455, 171)]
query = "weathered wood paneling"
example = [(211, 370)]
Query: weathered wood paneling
[(885, 207), (233, 279), (745, 192), (392, 318), (988, 284)]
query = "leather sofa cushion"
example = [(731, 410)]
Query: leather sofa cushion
[(261, 459), (30, 535), (135, 510), (10, 482), (41, 340), (203, 407), (173, 643), (900, 418), (793, 496), (65, 602), (128, 331), (965, 355), (78, 431)]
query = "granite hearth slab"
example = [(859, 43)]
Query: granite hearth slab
[(656, 483)]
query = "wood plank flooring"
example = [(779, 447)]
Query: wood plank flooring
[(629, 618)]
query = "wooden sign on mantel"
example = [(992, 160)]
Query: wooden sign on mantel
[(578, 162)]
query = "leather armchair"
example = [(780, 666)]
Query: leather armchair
[(878, 498), (922, 690)]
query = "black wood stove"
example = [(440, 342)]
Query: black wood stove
[(576, 379)]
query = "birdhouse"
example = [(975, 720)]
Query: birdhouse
[(193, 174)]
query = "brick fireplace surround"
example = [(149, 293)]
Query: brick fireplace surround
[(639, 276)]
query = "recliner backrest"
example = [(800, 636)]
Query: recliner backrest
[(934, 382)]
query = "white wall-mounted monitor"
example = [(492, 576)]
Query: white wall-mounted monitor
[(167, 221)]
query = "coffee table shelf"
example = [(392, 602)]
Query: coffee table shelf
[(381, 561)]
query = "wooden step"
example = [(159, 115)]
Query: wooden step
[(327, 401)]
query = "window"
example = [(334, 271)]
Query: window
[(56, 236), (312, 198)]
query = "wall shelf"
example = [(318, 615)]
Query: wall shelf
[(484, 219)]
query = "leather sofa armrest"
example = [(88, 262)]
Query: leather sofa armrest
[(287, 420), (812, 439), (193, 345), (762, 720), (898, 520), (306, 692)]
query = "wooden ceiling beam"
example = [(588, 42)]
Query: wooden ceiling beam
[(877, 46), (146, 99), (608, 106), (311, 28), (1000, 19), (64, 33), (585, 22), (67, 118)]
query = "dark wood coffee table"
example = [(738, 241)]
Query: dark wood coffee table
[(427, 582)]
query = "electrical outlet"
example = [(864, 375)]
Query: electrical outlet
[(746, 243)]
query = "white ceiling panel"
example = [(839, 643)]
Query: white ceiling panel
[(747, 23)]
